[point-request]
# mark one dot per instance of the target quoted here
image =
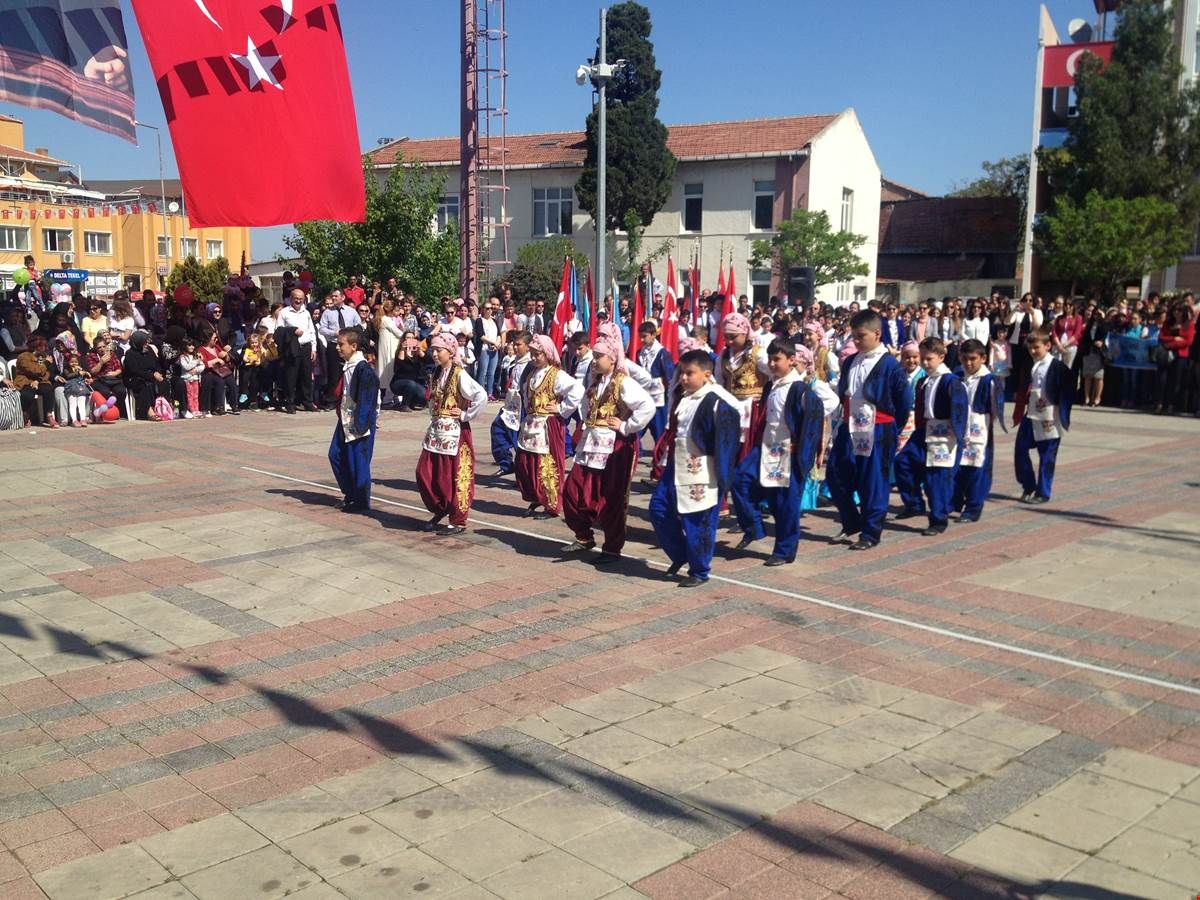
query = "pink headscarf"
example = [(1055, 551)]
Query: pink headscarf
[(910, 345), (735, 323), (815, 328), (446, 341), (804, 358), (607, 345), (545, 345), (848, 351), (688, 344)]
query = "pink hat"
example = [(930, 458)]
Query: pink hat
[(804, 358), (910, 345), (543, 343), (607, 345), (735, 323), (815, 328), (687, 344), (446, 341), (848, 351)]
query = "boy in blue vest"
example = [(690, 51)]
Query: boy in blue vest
[(1042, 414), (654, 359), (353, 443), (985, 410)]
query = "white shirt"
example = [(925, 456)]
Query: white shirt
[(583, 362), (829, 400), (1037, 375), (646, 358), (1015, 320), (777, 398), (864, 365), (977, 329), (301, 319), (470, 390), (568, 391), (491, 334), (931, 386), (636, 400)]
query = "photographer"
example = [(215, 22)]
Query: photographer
[(408, 376)]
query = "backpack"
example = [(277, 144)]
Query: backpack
[(163, 409)]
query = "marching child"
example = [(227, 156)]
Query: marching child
[(191, 369), (910, 494), (446, 468), (784, 441), (655, 359), (353, 443), (507, 424), (1043, 412), (549, 397), (615, 409), (931, 456), (706, 425), (742, 371), (985, 408), (874, 392)]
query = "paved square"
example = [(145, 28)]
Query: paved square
[(214, 684)]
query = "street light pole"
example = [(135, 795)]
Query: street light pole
[(162, 185), (600, 73)]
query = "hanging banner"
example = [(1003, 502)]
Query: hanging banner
[(1062, 61)]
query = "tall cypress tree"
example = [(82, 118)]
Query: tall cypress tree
[(640, 167)]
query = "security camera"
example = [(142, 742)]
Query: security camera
[(582, 74)]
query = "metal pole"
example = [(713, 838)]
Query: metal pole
[(468, 198), (602, 170), (162, 186)]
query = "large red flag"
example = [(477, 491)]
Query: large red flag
[(725, 288), (562, 309), (258, 99), (721, 277), (635, 321), (731, 288), (670, 313)]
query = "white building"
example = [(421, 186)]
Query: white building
[(734, 182)]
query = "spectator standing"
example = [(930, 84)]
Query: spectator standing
[(335, 317), (1171, 357), (1095, 356), (1066, 332), (297, 343), (354, 293)]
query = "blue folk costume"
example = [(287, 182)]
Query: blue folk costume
[(657, 361), (897, 340), (985, 397), (353, 441), (784, 440), (507, 424), (1044, 412), (699, 471), (866, 441), (933, 452)]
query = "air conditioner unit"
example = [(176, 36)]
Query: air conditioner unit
[(68, 258)]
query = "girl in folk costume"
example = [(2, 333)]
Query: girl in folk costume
[(934, 451), (985, 408), (507, 424), (825, 363), (353, 443), (549, 397), (784, 443), (615, 409), (1043, 412), (705, 422), (742, 371), (814, 480), (874, 394), (446, 469)]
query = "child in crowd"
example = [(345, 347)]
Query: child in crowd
[(655, 359), (985, 408), (191, 369), (507, 424), (251, 371), (350, 451), (999, 359), (932, 455), (77, 388), (910, 361), (784, 440), (270, 374), (707, 429), (814, 481), (1043, 412), (466, 351)]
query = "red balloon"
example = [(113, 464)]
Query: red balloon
[(98, 399), (111, 414), (183, 295)]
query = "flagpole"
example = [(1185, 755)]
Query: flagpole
[(602, 155)]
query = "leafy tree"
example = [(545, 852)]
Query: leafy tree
[(1105, 241), (207, 280), (640, 167), (537, 273), (396, 239), (807, 239), (1007, 177)]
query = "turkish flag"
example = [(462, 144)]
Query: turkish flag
[(1061, 62), (670, 313), (257, 96), (563, 309)]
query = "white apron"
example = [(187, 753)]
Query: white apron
[(695, 479), (974, 450), (775, 451), (941, 443), (862, 427), (443, 436), (533, 437), (595, 447), (1043, 415)]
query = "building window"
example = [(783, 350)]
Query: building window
[(693, 207), (57, 240), (189, 247), (843, 293), (760, 287), (552, 211), (164, 247), (214, 249), (764, 205), (448, 211), (97, 243), (860, 293), (14, 238), (847, 209)]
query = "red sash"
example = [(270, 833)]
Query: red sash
[(881, 418)]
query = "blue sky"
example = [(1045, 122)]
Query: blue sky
[(939, 85)]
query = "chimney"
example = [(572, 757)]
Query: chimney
[(41, 151)]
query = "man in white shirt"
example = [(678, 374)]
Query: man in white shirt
[(298, 351), (334, 319)]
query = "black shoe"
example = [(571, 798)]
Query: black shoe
[(529, 512), (674, 568), (447, 530), (355, 508), (933, 530), (579, 547), (432, 524), (1038, 500), (776, 561), (691, 581), (842, 537), (745, 542), (907, 513), (290, 410), (1027, 496), (543, 515), (964, 519), (608, 559), (234, 412), (864, 544)]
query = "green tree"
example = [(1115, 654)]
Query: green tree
[(640, 167), (396, 239), (537, 273), (207, 280), (807, 239), (1007, 177), (1105, 241)]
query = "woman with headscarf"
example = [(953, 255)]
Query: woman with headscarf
[(614, 410), (142, 375), (33, 376), (446, 468), (549, 397)]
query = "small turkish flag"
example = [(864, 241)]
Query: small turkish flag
[(257, 96), (91, 212), (62, 213)]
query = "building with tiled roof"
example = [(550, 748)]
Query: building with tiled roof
[(734, 182)]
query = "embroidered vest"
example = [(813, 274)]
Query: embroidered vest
[(540, 404), (601, 408), (445, 396), (745, 382)]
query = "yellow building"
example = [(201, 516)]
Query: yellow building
[(47, 212)]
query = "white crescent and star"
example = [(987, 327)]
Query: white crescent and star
[(258, 66)]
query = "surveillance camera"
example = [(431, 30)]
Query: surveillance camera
[(582, 74)]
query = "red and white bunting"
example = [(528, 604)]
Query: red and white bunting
[(83, 212)]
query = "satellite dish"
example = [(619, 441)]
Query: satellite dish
[(1080, 31), (173, 207)]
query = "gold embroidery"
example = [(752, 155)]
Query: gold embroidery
[(744, 381), (607, 406), (445, 395), (540, 404), (549, 476), (464, 478)]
